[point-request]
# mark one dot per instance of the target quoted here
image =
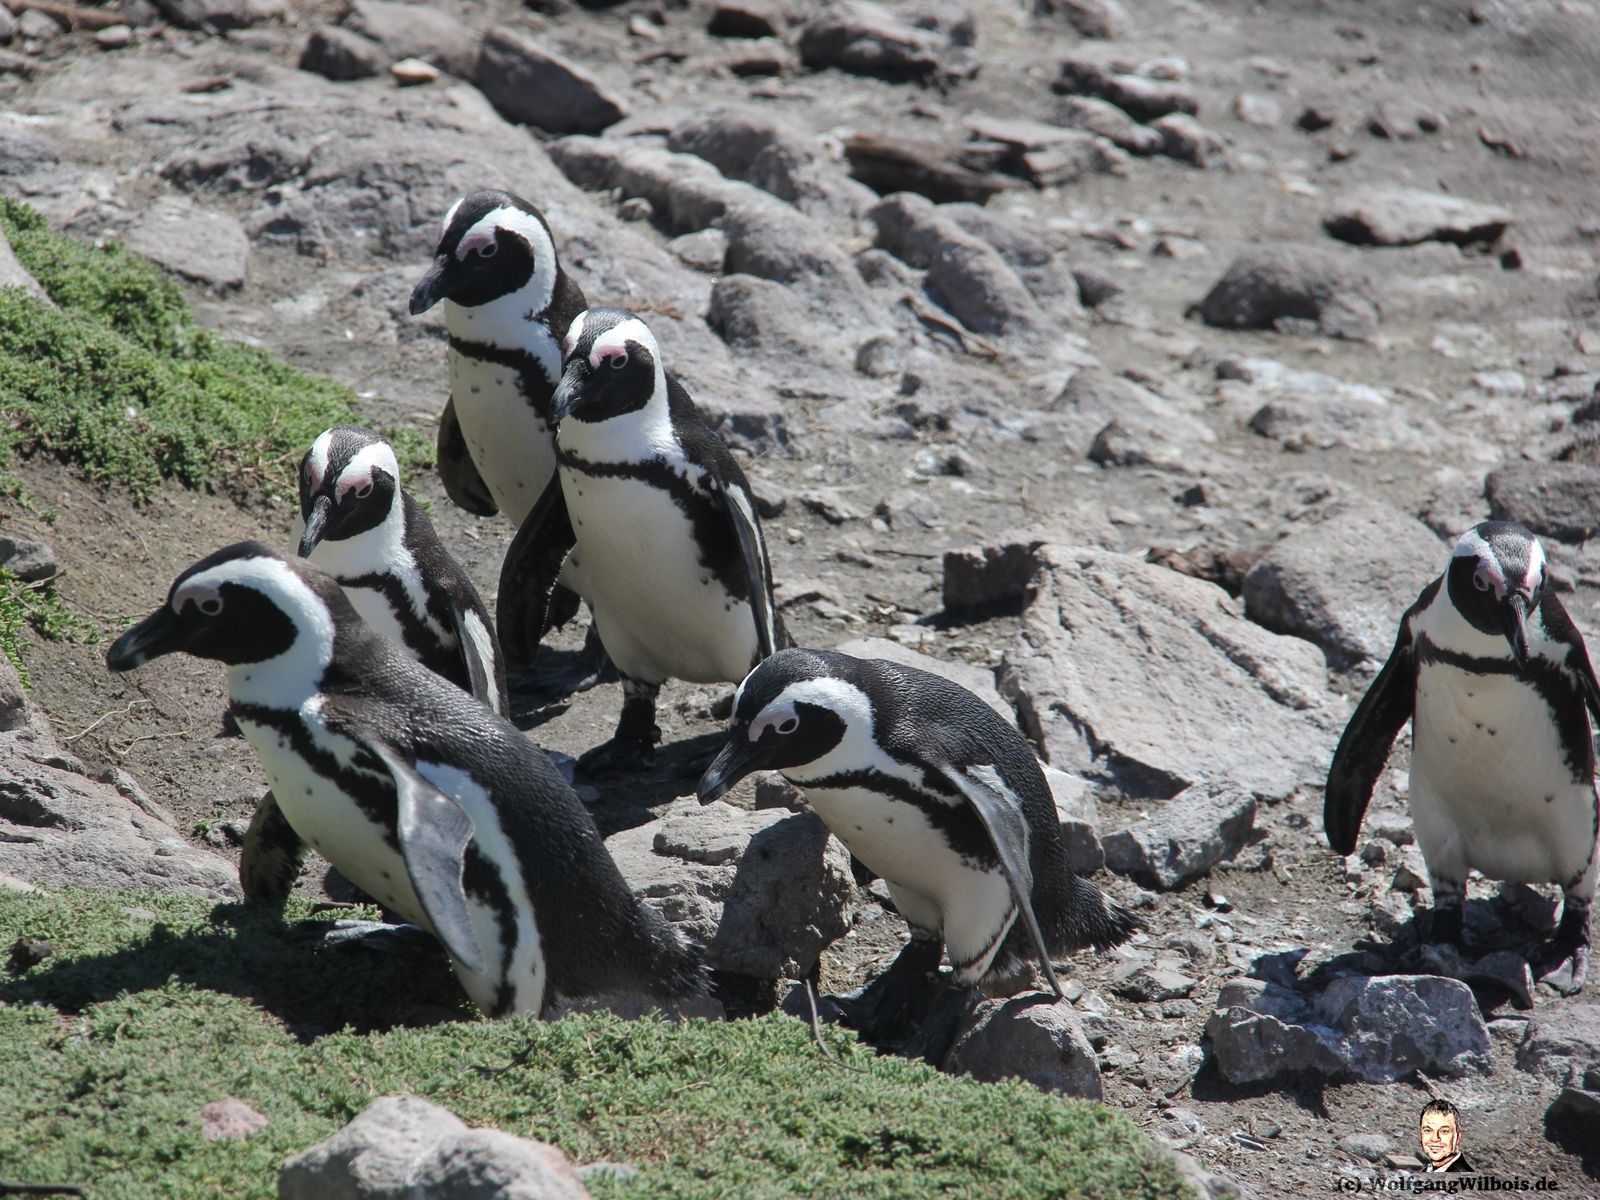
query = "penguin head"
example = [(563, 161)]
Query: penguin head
[(1496, 579), (612, 367), (246, 603), (492, 245), (349, 482), (799, 713)]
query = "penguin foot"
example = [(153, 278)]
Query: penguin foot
[(1565, 965), (619, 756), (1445, 925), (366, 935), (936, 1033), (881, 1011)]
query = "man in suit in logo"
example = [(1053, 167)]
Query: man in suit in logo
[(1441, 1138)]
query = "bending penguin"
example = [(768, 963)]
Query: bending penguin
[(938, 794), (1497, 684), (419, 794), (661, 526), (507, 303)]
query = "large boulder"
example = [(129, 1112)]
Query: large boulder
[(764, 892), (1032, 1037), (61, 827), (1148, 679), (402, 1147)]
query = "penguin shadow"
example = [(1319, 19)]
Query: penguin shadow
[(623, 801), (249, 951), (1500, 933), (1573, 1132)]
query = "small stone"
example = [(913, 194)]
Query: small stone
[(113, 37), (35, 26), (1089, 18), (1184, 837), (411, 72), (1411, 875), (339, 54), (636, 208), (1370, 1146), (1030, 1037), (1185, 139), (1143, 99), (27, 952), (1313, 118), (528, 84), (230, 1120), (1151, 982), (29, 561), (703, 250), (1263, 288), (745, 19), (1398, 216), (1255, 109)]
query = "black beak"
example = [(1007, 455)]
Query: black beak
[(565, 397), (152, 637), (321, 509), (1514, 618), (737, 759), (432, 287)]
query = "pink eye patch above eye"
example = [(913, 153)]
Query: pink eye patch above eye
[(474, 242)]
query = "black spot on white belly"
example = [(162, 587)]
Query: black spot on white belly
[(1549, 799)]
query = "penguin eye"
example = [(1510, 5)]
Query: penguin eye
[(790, 725), (1481, 581), (619, 361), (211, 605), (488, 249), (364, 490)]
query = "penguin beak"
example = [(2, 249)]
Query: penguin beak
[(321, 510), (567, 393), (1514, 618), (432, 287), (738, 758), (157, 634)]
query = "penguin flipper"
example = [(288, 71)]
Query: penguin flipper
[(740, 507), (1364, 749), (459, 474), (1007, 827), (530, 570), (480, 657), (434, 832)]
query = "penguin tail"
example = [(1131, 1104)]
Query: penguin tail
[(1091, 918)]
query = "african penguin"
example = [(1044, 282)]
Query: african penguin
[(358, 524), (423, 797), (662, 526), (1494, 677), (934, 791), (507, 303)]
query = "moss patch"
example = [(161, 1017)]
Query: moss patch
[(120, 380), (24, 604), (149, 1007)]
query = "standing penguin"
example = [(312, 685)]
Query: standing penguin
[(1495, 679), (662, 527), (941, 797), (507, 303), (363, 528), (422, 796)]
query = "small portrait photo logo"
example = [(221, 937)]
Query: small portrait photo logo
[(1444, 1168)]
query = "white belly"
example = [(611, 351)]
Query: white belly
[(660, 613), (332, 824), (934, 890), (510, 444), (1491, 789)]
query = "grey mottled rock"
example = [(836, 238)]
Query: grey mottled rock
[(1133, 673), (1263, 288), (1101, 117), (1558, 500), (1150, 429), (1185, 139), (745, 19), (14, 274), (1030, 1037), (753, 146), (1312, 410), (61, 828), (220, 15), (1079, 818), (1343, 581), (528, 84), (1563, 1045), (995, 575), (405, 1148), (1374, 1030), (1184, 837), (1579, 1108), (230, 1120), (1143, 99), (1401, 216), (343, 54), (170, 232), (863, 38), (765, 892), (1370, 1146), (760, 316), (416, 30), (1090, 18), (29, 561), (1048, 155)]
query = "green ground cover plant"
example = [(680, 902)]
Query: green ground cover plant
[(149, 1007)]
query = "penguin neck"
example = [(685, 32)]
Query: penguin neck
[(1445, 627), (517, 321), (638, 436), (371, 552), (291, 679)]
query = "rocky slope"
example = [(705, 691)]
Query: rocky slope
[(1139, 354)]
